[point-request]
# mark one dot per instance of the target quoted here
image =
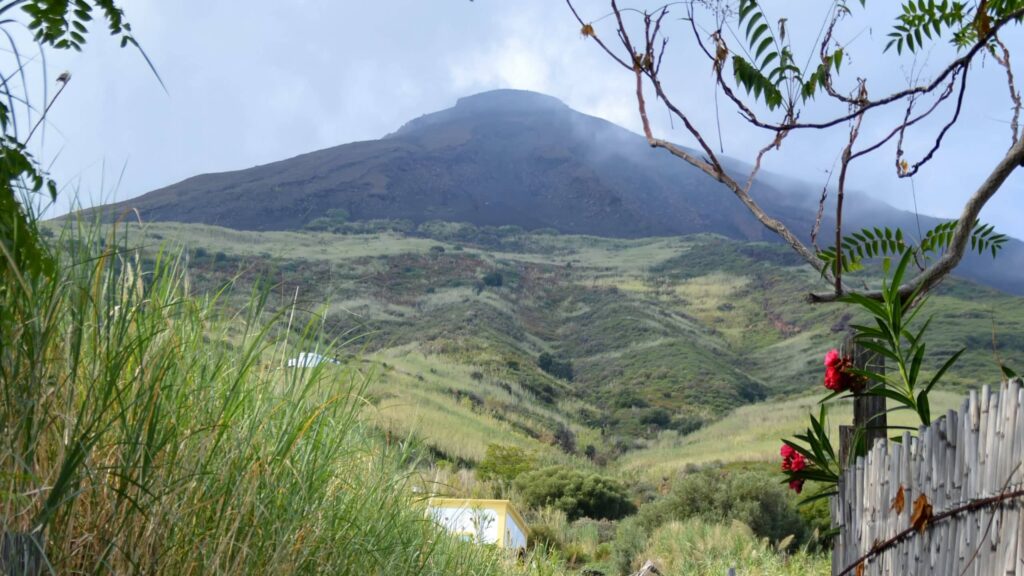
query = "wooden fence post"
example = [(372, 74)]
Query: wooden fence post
[(868, 411)]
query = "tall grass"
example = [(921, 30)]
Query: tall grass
[(148, 430), (697, 548)]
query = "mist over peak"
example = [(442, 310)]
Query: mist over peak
[(514, 158)]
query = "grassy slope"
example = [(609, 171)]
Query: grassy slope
[(751, 433), (152, 431), (663, 332)]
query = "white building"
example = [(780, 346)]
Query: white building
[(481, 521), (309, 360)]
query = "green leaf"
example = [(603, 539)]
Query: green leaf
[(753, 21), (872, 306), (915, 366), (878, 349), (1007, 371), (923, 408), (762, 47), (762, 29)]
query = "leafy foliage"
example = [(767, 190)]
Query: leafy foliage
[(770, 66), (756, 76), (556, 367), (903, 348), (576, 493), (969, 23), (816, 447), (882, 242), (753, 497), (893, 339), (60, 24), (504, 463), (922, 19)]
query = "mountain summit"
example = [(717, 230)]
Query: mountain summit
[(509, 157), (505, 157)]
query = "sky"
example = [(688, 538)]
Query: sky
[(254, 82)]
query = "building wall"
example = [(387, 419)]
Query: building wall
[(514, 533), (480, 524)]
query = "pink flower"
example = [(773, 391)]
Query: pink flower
[(797, 462), (837, 375), (792, 461), (796, 485), (832, 359)]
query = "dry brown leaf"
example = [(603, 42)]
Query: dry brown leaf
[(899, 502), (922, 513), (587, 30), (721, 53), (860, 570)]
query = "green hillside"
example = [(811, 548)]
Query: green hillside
[(664, 336)]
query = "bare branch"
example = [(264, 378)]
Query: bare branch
[(841, 191), (908, 122), (712, 167), (958, 65), (945, 264), (597, 39), (819, 216), (1004, 61), (912, 170), (645, 62)]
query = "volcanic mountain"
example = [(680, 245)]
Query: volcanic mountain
[(511, 157)]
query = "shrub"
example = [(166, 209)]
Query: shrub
[(656, 417), (576, 493), (753, 497), (630, 542), (565, 439), (555, 367), (493, 279), (503, 462)]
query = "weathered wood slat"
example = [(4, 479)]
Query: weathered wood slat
[(973, 453)]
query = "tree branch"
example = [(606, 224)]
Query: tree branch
[(945, 264)]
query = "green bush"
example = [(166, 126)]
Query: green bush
[(753, 497), (576, 493), (557, 368), (504, 463), (630, 541)]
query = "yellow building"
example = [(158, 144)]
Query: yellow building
[(481, 521)]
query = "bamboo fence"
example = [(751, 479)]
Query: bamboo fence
[(968, 467)]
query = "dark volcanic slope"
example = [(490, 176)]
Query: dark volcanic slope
[(509, 157), (503, 157)]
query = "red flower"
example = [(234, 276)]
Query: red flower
[(837, 375), (792, 461), (832, 359), (796, 485), (797, 462)]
